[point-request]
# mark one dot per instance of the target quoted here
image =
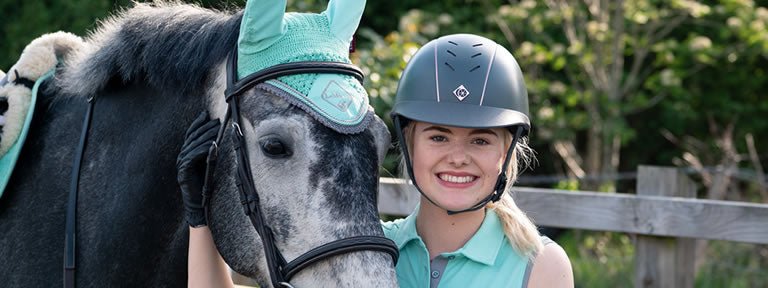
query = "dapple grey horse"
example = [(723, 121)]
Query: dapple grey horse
[(151, 70)]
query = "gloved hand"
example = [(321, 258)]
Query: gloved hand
[(191, 166)]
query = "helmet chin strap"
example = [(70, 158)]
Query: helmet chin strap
[(498, 189)]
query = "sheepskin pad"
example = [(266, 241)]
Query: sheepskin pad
[(18, 89), (14, 104)]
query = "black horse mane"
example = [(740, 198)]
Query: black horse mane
[(168, 45)]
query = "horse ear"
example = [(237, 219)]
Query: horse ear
[(261, 26), (344, 16)]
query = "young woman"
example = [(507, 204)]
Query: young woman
[(461, 112)]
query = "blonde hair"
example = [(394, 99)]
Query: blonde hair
[(520, 230)]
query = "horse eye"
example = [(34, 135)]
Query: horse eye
[(273, 148)]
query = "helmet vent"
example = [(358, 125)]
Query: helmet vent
[(473, 69), (478, 54), (449, 66), (454, 43), (451, 52), (478, 44)]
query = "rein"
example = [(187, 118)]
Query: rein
[(70, 228), (280, 270)]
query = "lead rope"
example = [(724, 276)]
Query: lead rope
[(70, 230)]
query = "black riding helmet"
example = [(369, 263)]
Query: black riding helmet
[(468, 81)]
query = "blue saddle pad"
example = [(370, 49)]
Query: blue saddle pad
[(9, 159)]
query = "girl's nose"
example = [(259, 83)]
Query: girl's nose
[(458, 156)]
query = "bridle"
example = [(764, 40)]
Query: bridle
[(280, 271)]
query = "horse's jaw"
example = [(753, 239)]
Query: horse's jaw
[(361, 269), (354, 269)]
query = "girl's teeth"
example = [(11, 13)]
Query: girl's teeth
[(456, 179)]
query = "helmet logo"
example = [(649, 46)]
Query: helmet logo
[(461, 92)]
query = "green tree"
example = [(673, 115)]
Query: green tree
[(720, 60), (588, 63), (594, 65)]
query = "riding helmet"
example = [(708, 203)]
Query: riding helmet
[(463, 80)]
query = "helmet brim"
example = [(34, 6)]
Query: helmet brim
[(461, 115)]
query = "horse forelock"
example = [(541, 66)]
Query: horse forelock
[(169, 45)]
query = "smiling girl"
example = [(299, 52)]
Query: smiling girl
[(461, 114)]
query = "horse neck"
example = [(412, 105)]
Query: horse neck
[(136, 134)]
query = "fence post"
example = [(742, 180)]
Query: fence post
[(664, 261)]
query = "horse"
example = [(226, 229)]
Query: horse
[(149, 70)]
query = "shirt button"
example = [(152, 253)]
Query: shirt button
[(435, 274)]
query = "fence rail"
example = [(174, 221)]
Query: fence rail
[(648, 215)]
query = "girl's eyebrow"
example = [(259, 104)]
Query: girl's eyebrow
[(484, 131), (438, 128)]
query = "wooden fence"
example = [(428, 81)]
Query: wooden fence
[(664, 215)]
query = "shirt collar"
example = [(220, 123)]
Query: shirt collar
[(483, 247)]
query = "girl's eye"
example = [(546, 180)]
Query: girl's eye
[(438, 138), (480, 141)]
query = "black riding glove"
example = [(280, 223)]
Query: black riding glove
[(191, 166)]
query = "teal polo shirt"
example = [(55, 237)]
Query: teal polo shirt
[(486, 260)]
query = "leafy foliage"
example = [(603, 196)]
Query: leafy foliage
[(600, 259), (734, 265)]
